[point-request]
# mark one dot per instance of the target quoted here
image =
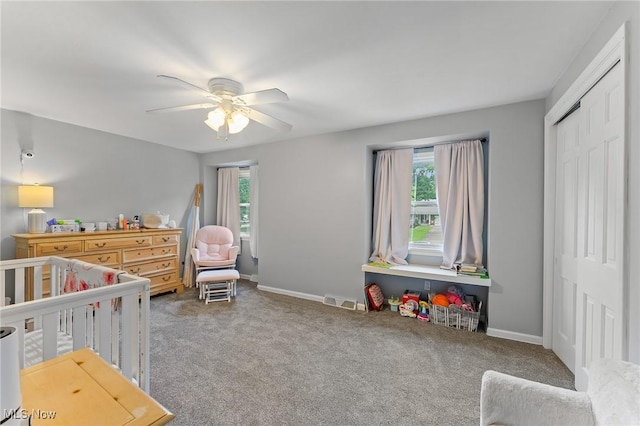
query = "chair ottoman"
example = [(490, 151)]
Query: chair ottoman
[(217, 285)]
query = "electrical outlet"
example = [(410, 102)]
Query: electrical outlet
[(427, 285)]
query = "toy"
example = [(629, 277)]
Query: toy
[(424, 311), (407, 309), (453, 299), (394, 302), (440, 300)]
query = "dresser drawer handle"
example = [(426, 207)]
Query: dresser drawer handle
[(140, 241), (165, 251), (166, 265), (165, 239), (165, 279), (63, 248), (100, 245), (134, 272), (104, 260)]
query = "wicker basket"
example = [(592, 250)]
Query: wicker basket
[(454, 316)]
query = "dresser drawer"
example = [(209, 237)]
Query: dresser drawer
[(59, 248), (109, 258), (151, 267), (158, 280), (116, 243), (148, 253), (165, 239)]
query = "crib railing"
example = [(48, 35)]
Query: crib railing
[(113, 320)]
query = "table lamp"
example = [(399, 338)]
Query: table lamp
[(36, 197)]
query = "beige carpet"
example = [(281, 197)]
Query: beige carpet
[(268, 359)]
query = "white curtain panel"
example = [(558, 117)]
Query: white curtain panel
[(228, 209), (253, 211), (392, 206), (459, 169)]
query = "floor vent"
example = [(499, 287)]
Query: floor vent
[(340, 302)]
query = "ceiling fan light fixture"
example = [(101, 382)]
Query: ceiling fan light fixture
[(216, 118), (237, 122), (230, 108)]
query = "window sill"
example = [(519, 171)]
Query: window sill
[(427, 272)]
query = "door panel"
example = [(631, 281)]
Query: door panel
[(565, 289), (600, 261), (590, 205)]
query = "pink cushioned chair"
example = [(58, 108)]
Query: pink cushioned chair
[(214, 248)]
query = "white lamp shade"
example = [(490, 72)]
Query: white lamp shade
[(35, 196), (237, 122), (216, 118)]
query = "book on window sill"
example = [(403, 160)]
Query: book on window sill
[(470, 267), (482, 274), (380, 265)]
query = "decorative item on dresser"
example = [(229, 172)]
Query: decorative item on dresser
[(150, 253)]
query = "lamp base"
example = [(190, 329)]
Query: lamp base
[(37, 222)]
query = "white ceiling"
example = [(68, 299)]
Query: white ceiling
[(344, 65)]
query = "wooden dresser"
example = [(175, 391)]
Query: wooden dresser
[(150, 253)]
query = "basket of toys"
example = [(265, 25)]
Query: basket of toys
[(454, 309)]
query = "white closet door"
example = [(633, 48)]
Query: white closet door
[(566, 240), (600, 325)]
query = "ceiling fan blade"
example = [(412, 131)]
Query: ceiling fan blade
[(183, 107), (262, 97), (267, 120), (190, 86)]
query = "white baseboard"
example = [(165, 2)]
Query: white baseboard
[(249, 277), (512, 335), (291, 293), (299, 295)]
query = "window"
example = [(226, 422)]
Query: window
[(426, 234), (245, 184)]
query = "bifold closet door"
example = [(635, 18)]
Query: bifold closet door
[(566, 240), (600, 326), (589, 239)]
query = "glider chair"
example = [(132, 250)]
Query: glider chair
[(612, 398), (214, 257)]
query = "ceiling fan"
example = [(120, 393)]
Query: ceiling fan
[(230, 107)]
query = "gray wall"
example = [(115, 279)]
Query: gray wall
[(329, 178), (246, 264), (627, 11), (95, 175)]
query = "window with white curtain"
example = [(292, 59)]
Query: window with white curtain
[(426, 233)]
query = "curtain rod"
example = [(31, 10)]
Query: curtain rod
[(482, 140)]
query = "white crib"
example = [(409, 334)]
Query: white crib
[(113, 320)]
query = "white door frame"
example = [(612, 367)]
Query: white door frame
[(615, 50)]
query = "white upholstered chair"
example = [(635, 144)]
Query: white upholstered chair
[(612, 398)]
